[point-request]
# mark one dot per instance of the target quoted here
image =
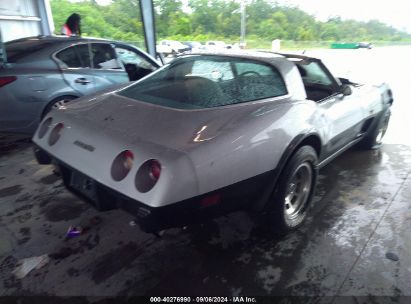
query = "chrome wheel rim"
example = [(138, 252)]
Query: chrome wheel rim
[(298, 190), (60, 103)]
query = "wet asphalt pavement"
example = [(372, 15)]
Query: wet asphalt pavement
[(356, 241)]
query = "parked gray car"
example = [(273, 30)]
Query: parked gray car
[(47, 71), (212, 133)]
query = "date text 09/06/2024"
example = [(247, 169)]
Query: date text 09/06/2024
[(238, 299)]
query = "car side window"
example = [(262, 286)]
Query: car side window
[(317, 82), (244, 68), (128, 56), (312, 73), (259, 81), (75, 57), (213, 70), (104, 56)]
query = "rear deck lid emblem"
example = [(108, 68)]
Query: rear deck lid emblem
[(85, 146)]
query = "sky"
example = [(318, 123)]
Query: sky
[(394, 12)]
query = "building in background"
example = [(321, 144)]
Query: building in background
[(23, 18)]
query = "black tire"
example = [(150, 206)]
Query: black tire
[(57, 101), (294, 190), (373, 140)]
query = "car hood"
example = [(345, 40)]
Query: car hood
[(182, 130)]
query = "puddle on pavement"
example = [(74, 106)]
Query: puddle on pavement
[(50, 179), (63, 209), (7, 148), (9, 191), (26, 235), (9, 280), (23, 198), (20, 209), (114, 261)]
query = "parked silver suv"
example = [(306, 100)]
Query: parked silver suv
[(47, 71)]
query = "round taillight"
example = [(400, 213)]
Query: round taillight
[(122, 164), (148, 175), (155, 170), (56, 133), (45, 127)]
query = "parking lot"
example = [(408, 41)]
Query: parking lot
[(356, 241)]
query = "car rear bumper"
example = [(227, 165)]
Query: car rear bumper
[(153, 219)]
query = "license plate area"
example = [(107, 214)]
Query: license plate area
[(84, 185)]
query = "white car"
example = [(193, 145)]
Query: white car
[(211, 133), (215, 46), (171, 47)]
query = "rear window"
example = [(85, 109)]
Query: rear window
[(196, 82), (17, 50)]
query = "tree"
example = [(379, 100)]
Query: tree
[(217, 19)]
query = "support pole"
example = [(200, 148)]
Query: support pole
[(46, 22), (3, 55), (242, 35), (147, 16)]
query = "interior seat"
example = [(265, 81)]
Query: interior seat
[(203, 92)]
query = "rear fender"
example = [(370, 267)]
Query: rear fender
[(298, 141)]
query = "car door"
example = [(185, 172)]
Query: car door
[(75, 66), (342, 114), (344, 117), (107, 68), (137, 64)]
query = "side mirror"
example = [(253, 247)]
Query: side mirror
[(344, 80), (346, 90)]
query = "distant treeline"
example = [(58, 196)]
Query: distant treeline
[(205, 20)]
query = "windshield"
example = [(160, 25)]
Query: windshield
[(19, 49), (196, 82)]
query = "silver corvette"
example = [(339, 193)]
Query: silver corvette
[(212, 133)]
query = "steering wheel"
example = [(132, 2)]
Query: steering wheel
[(242, 81), (249, 73)]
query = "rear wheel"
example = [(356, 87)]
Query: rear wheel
[(57, 103), (294, 190)]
